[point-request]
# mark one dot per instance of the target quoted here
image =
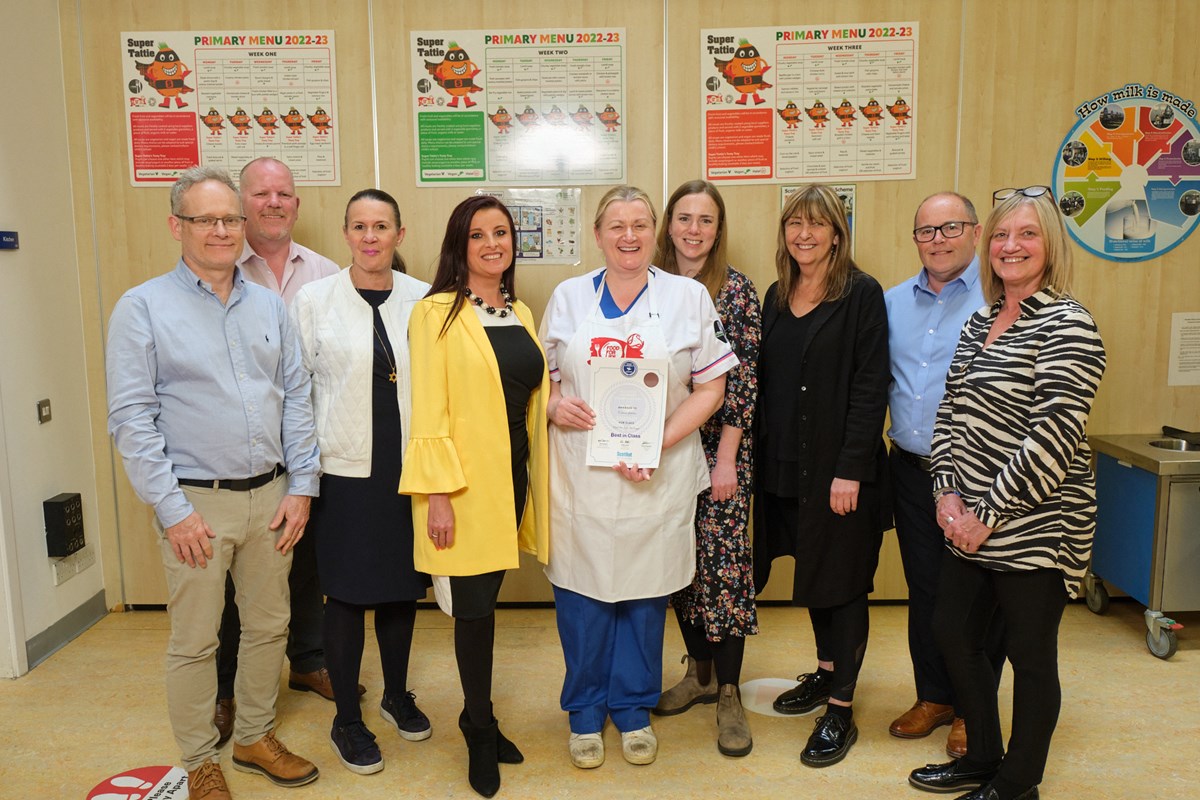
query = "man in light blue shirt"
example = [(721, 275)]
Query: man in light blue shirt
[(926, 313), (209, 407)]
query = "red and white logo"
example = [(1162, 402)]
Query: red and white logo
[(608, 347), (143, 783)]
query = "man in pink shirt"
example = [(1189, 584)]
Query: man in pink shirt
[(270, 258)]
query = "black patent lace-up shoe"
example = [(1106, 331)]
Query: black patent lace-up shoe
[(830, 741), (811, 691)]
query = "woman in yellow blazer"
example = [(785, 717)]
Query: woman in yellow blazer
[(480, 388)]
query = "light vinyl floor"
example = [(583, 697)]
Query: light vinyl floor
[(1129, 728)]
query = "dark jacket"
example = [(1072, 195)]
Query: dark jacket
[(844, 375)]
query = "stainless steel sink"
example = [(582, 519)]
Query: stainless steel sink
[(1175, 444)]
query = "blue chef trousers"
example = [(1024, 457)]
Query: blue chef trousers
[(613, 653)]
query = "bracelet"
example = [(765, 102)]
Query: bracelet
[(938, 495)]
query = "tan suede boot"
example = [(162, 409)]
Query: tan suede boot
[(687, 692), (733, 731)]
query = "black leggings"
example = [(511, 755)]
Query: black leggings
[(1030, 604), (841, 634), (473, 643), (344, 639), (725, 655)]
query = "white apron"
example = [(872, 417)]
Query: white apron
[(611, 539)]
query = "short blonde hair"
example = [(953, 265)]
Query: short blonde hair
[(1058, 271), (816, 201), (623, 194)]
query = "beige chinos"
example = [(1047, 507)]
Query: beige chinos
[(245, 546)]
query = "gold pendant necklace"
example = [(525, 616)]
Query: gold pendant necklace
[(391, 364)]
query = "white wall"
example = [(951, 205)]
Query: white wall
[(41, 330)]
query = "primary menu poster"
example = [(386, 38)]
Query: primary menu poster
[(224, 98), (519, 108), (809, 103)]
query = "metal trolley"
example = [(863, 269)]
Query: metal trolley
[(1147, 529)]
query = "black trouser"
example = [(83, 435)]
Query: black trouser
[(841, 634), (304, 646), (1031, 604), (922, 547)]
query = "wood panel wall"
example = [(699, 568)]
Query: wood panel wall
[(998, 85)]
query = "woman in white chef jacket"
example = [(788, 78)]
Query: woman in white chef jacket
[(622, 537)]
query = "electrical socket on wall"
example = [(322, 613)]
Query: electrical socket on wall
[(66, 568)]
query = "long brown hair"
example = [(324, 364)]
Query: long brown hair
[(716, 265), (816, 201), (452, 271)]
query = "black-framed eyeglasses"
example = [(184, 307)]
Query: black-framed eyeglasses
[(1001, 195), (950, 230), (233, 222)]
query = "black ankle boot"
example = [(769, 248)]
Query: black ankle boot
[(506, 751), (483, 771)]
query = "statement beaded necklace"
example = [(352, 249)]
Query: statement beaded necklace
[(499, 312)]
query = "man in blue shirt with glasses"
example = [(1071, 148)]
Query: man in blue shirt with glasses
[(208, 404), (926, 313)]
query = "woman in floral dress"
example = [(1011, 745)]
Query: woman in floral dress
[(716, 613)]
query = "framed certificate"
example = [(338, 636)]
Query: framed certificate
[(629, 396)]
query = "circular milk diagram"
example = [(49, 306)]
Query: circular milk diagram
[(1127, 179)]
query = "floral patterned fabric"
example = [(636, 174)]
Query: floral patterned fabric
[(721, 597)]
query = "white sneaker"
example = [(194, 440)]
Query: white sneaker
[(640, 746), (587, 750)]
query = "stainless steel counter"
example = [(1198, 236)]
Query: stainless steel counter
[(1135, 449)]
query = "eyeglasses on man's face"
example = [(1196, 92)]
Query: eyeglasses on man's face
[(1029, 191), (950, 230), (231, 223)]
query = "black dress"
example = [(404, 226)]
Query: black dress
[(823, 381), (363, 528)]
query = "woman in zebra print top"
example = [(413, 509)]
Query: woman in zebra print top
[(1015, 491)]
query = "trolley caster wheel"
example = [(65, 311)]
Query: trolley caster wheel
[(1163, 645), (1097, 598)]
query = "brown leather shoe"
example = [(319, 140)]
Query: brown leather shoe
[(920, 720), (956, 742), (223, 719), (206, 782), (316, 682), (268, 757)]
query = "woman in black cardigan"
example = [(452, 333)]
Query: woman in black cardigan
[(820, 462)]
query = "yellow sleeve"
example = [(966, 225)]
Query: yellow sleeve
[(431, 463)]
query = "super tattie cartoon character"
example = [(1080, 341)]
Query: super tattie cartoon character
[(845, 112), (873, 112), (294, 120), (240, 121), (213, 121), (555, 116), (790, 114), (165, 75), (900, 111), (320, 121), (744, 72), (501, 119), (528, 118), (456, 74), (819, 114), (268, 121), (583, 118), (609, 117)]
